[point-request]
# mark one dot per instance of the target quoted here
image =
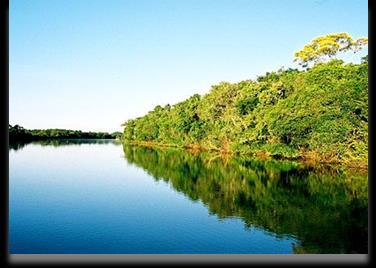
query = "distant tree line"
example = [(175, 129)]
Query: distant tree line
[(18, 133)]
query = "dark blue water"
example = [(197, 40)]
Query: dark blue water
[(98, 198)]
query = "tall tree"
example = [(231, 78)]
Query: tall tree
[(327, 46)]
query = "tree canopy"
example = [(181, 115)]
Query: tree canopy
[(320, 113), (327, 46), (18, 133)]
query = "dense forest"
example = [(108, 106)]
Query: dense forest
[(318, 112), (18, 133)]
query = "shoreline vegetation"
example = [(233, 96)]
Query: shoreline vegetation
[(19, 134), (308, 158), (318, 114)]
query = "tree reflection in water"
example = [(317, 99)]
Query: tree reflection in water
[(325, 209), (60, 142)]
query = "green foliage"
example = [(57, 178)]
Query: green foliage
[(17, 133), (246, 106), (327, 46), (284, 114)]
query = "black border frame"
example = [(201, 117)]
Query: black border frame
[(166, 259)]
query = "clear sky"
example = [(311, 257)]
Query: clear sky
[(92, 64)]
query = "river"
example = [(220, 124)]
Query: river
[(99, 196)]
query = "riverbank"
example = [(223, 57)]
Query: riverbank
[(309, 158)]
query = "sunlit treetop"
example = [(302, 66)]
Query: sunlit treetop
[(327, 46)]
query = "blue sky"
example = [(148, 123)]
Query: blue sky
[(92, 64)]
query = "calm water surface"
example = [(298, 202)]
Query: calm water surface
[(103, 197)]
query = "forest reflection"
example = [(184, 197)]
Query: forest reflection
[(60, 142), (325, 209)]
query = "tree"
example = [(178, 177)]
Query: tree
[(327, 46)]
